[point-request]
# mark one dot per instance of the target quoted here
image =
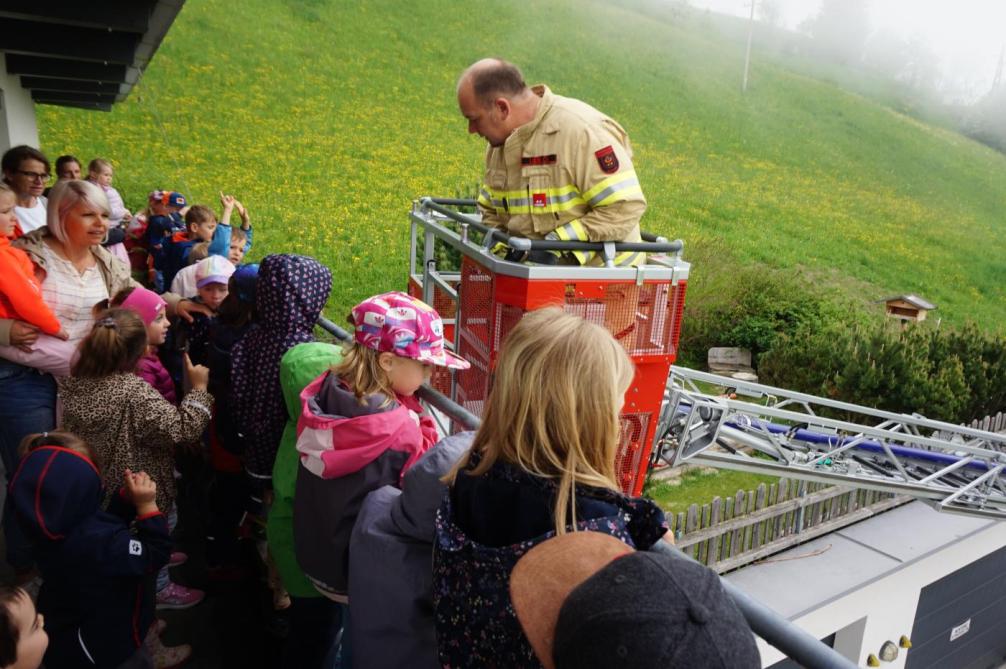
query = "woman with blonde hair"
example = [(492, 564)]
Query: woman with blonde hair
[(542, 464)]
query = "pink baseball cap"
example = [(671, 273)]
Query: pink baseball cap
[(400, 324), (213, 269), (146, 303)]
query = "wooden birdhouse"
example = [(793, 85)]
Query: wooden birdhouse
[(908, 308)]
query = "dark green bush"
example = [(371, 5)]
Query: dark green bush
[(807, 334), (945, 374)]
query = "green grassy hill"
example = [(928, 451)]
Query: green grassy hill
[(328, 118)]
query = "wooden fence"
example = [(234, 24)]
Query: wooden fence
[(996, 423), (728, 533)]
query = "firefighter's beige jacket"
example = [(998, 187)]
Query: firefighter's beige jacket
[(570, 167)]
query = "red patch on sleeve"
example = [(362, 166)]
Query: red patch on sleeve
[(607, 159)]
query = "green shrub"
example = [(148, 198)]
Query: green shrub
[(944, 374), (751, 307)]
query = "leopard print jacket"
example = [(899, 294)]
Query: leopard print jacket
[(129, 425)]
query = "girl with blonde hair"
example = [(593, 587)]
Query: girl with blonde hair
[(542, 464)]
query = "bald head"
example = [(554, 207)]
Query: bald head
[(495, 99), (491, 78)]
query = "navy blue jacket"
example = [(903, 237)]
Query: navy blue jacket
[(222, 337), (196, 339), (97, 593), (159, 230)]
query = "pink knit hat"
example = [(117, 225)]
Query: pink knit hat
[(146, 303), (400, 324)]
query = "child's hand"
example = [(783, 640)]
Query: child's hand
[(127, 217), (23, 335), (243, 213), (240, 207), (227, 201), (62, 334), (141, 491), (198, 375)]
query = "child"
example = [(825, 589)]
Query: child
[(228, 492), (200, 226), (149, 306), (235, 318), (212, 276), (362, 428), (184, 283), (314, 620), (23, 639), (95, 592), (20, 290), (290, 293), (126, 421), (99, 171), (164, 219), (240, 243), (542, 463)]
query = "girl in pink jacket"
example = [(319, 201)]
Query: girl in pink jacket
[(149, 306), (361, 428)]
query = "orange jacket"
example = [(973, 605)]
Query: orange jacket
[(20, 292)]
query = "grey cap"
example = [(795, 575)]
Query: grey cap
[(646, 609)]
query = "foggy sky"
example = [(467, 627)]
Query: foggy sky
[(966, 35)]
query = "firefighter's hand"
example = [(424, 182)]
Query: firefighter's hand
[(499, 250)]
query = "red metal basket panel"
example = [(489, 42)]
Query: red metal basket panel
[(645, 318)]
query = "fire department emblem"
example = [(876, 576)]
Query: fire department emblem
[(607, 159)]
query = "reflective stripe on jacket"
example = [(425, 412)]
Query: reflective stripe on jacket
[(570, 163)]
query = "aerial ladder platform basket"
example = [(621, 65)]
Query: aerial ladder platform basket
[(482, 297)]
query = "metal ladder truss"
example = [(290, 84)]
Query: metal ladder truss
[(779, 432)]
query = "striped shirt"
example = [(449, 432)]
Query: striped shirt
[(72, 295)]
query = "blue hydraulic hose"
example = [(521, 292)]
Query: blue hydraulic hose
[(873, 446)]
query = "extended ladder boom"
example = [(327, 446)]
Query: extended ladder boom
[(785, 433)]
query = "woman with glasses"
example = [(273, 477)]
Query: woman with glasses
[(26, 171)]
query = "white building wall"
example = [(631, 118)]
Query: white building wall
[(17, 112), (888, 604)]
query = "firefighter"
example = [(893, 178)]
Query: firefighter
[(556, 168)]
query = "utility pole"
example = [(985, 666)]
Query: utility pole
[(999, 69), (747, 56)]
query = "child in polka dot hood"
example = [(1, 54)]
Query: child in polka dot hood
[(361, 428)]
